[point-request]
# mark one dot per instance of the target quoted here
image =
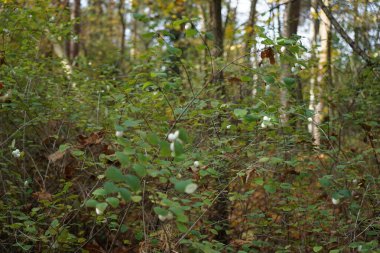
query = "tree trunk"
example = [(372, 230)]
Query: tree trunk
[(292, 15), (324, 31), (74, 47), (250, 42), (121, 11), (217, 30)]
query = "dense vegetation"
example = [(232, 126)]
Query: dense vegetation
[(177, 126)]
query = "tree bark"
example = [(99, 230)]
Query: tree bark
[(74, 50), (250, 28), (291, 18), (217, 30), (121, 11)]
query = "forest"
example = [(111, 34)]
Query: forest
[(198, 126)]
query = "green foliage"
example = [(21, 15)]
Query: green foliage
[(146, 147)]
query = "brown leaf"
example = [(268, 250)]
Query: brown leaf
[(94, 138), (57, 155), (234, 80), (268, 53), (42, 195)]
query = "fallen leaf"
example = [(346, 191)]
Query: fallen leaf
[(57, 156), (42, 195)]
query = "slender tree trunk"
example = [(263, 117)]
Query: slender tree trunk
[(217, 29), (221, 205), (250, 29), (291, 18), (74, 50), (250, 42), (324, 30), (314, 28), (121, 11)]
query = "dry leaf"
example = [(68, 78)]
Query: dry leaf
[(57, 155), (42, 195)]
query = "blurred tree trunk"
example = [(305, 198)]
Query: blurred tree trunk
[(250, 41), (121, 11), (314, 28), (324, 31), (291, 20), (217, 30), (74, 45), (221, 205)]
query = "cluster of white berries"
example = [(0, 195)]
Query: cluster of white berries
[(16, 153), (266, 122), (172, 137)]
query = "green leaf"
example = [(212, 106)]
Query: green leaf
[(122, 158), (131, 123), (101, 207), (123, 228), (246, 78), (191, 32), (317, 248), (133, 182), (181, 227), (64, 147), (325, 180), (139, 169), (136, 198), (178, 148), (110, 187), (125, 194), (259, 181), (180, 21), (158, 75), (114, 174), (270, 188), (175, 51), (289, 81), (99, 192), (153, 139), (181, 185), (148, 35), (164, 148), (183, 135), (240, 113), (264, 159), (91, 203), (160, 211), (269, 79), (286, 186), (114, 202)]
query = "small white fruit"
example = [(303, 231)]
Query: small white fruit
[(190, 188), (16, 153), (119, 133), (171, 137), (335, 201)]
